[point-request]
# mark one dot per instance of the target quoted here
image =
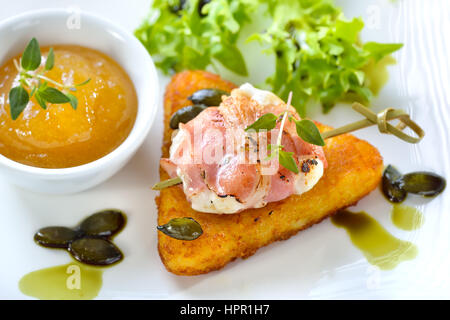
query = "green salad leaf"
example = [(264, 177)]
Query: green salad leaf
[(318, 53), (193, 34)]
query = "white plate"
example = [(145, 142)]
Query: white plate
[(320, 262)]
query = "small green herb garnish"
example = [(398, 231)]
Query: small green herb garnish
[(265, 122), (287, 160), (37, 83), (306, 129)]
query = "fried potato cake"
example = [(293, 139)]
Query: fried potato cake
[(354, 170)]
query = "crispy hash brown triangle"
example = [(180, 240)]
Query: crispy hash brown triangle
[(354, 170)]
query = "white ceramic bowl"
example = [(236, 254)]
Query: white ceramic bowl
[(51, 27)]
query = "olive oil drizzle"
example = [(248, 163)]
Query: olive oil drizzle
[(406, 217), (377, 74), (378, 246), (73, 281)]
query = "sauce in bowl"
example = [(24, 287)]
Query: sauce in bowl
[(61, 137)]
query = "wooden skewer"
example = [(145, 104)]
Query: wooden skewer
[(381, 119), (167, 183)]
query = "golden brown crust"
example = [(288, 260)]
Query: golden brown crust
[(354, 170)]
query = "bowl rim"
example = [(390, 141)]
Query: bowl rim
[(135, 137)]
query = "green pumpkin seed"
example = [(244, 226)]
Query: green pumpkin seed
[(55, 237), (103, 224), (208, 97), (186, 114), (423, 183), (182, 229), (390, 185), (95, 251)]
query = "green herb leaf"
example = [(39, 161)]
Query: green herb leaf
[(287, 160), (50, 60), (73, 100), (83, 83), (40, 100), (307, 130), (273, 151), (31, 58), (265, 122), (18, 100), (271, 156), (43, 85), (53, 95), (32, 92)]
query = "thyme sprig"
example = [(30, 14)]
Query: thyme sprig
[(306, 129), (34, 83)]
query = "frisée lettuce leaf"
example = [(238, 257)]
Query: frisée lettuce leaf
[(191, 34), (318, 53)]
